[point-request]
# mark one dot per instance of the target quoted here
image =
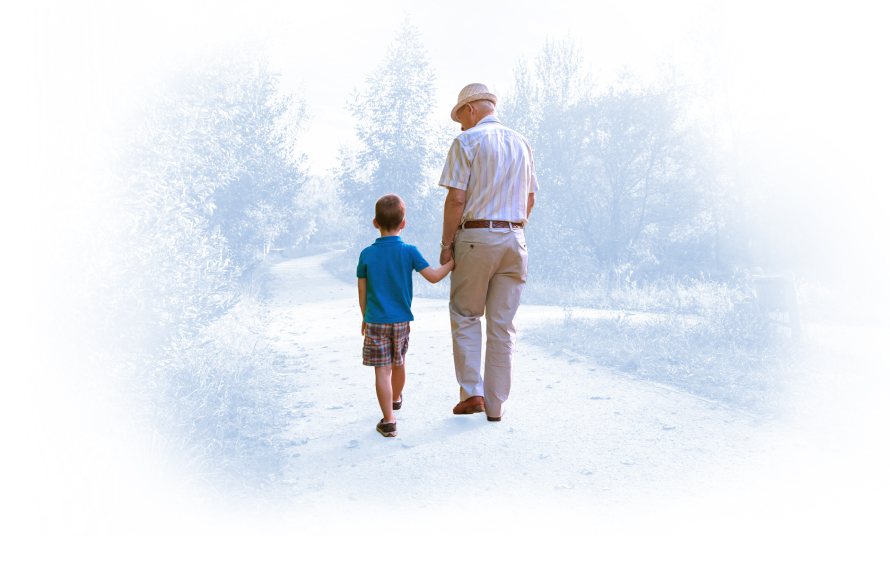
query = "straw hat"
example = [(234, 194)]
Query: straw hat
[(471, 93)]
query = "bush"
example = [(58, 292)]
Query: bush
[(161, 289), (215, 403), (617, 290), (733, 355)]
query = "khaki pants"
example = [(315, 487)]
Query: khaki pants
[(490, 274)]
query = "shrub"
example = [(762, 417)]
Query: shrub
[(733, 355), (215, 402), (161, 287)]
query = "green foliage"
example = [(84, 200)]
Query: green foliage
[(618, 179), (320, 215), (205, 176), (617, 290), (259, 207), (731, 354), (398, 142), (163, 274), (215, 402)]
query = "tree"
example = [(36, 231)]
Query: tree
[(542, 105), (393, 127), (203, 174), (635, 170), (257, 208), (620, 178), (319, 213)]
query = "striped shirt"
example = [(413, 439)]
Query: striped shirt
[(494, 165)]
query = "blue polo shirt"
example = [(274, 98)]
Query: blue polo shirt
[(387, 265)]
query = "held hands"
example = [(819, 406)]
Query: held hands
[(435, 275), (445, 256)]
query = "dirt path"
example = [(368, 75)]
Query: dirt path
[(571, 433)]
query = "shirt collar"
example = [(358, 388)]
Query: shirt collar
[(489, 118), (389, 239)]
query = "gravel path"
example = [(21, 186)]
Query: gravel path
[(591, 476), (573, 434)]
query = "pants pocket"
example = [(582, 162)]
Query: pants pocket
[(523, 259), (463, 248)]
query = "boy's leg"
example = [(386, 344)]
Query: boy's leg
[(383, 376), (398, 381)]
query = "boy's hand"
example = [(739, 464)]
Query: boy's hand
[(435, 275), (364, 327)]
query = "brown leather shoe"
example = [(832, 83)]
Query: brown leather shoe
[(387, 429), (396, 405), (490, 418), (470, 406)]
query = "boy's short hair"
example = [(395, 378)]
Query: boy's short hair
[(389, 212)]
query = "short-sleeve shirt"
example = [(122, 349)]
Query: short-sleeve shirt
[(494, 165), (387, 265)]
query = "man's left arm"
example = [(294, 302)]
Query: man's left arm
[(533, 185)]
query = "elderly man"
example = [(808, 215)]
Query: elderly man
[(490, 176)]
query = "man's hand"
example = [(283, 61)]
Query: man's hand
[(445, 256)]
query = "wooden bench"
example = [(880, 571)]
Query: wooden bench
[(778, 293)]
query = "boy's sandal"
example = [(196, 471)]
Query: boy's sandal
[(387, 429), (396, 405)]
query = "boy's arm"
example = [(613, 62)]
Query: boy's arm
[(435, 275), (363, 299)]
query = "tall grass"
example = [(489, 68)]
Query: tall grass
[(613, 289), (343, 264), (600, 290), (214, 403), (702, 335), (734, 355)]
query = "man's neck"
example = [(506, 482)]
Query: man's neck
[(478, 121)]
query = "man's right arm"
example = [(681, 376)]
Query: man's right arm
[(455, 178), (454, 209)]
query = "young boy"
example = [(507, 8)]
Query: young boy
[(385, 290)]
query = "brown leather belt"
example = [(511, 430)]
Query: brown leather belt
[(493, 223)]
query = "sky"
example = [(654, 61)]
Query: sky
[(791, 66)]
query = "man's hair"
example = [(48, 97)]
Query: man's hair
[(389, 212)]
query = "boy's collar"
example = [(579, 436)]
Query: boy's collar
[(389, 238)]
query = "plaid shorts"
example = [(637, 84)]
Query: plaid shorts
[(386, 344)]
